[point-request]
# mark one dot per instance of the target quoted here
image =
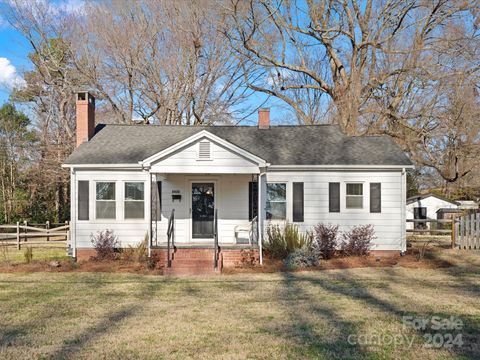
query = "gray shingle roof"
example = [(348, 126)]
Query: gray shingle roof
[(278, 145)]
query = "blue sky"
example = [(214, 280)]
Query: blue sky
[(13, 59), (14, 50)]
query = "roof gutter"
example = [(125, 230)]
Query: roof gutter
[(339, 167), (103, 166)]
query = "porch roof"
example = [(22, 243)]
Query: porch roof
[(278, 145)]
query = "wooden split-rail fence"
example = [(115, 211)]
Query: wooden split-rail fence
[(464, 230), (36, 234)]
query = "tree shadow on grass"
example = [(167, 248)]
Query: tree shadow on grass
[(352, 289), (306, 337), (109, 322)]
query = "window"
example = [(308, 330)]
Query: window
[(83, 200), (298, 202), (134, 200), (105, 200), (354, 199), (276, 201), (334, 197), (420, 213)]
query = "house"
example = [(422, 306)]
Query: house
[(429, 206), (468, 204), (198, 185)]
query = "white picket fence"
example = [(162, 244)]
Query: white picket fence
[(467, 231)]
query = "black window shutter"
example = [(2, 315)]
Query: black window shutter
[(156, 200), (83, 201), (252, 200), (375, 197), (298, 204), (334, 197)]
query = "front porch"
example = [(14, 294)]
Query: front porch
[(205, 195), (204, 219)]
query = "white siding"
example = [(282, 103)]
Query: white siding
[(231, 194), (388, 224), (129, 232), (231, 200), (187, 160)]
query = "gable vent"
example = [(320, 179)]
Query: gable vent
[(204, 150)]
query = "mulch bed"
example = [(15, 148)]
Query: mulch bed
[(410, 260)]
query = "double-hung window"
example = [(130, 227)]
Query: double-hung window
[(354, 196), (134, 200), (276, 201), (105, 200)]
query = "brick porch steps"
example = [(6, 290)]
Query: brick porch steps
[(192, 262), (199, 261)]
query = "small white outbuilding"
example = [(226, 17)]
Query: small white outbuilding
[(426, 207)]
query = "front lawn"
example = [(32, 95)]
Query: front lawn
[(14, 256), (273, 316)]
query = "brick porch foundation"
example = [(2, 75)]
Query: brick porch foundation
[(85, 254)]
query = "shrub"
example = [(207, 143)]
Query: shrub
[(325, 240), (249, 258), (153, 261), (28, 254), (105, 243), (302, 258), (358, 241), (4, 251), (283, 240), (138, 253)]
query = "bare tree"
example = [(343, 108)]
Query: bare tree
[(375, 67), (352, 52), (160, 60)]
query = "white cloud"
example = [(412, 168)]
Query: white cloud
[(9, 77)]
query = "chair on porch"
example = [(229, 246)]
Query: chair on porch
[(246, 234)]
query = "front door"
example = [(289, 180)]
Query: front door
[(203, 209)]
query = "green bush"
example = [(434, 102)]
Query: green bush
[(302, 258), (283, 240)]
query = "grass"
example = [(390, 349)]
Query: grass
[(12, 255), (259, 316)]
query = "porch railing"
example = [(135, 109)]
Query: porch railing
[(170, 237), (215, 240), (253, 238)]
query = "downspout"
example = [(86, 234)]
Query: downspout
[(150, 179), (73, 215), (404, 205)]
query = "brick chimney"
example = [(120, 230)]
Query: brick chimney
[(85, 116), (264, 118)]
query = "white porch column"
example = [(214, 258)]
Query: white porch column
[(262, 190)]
